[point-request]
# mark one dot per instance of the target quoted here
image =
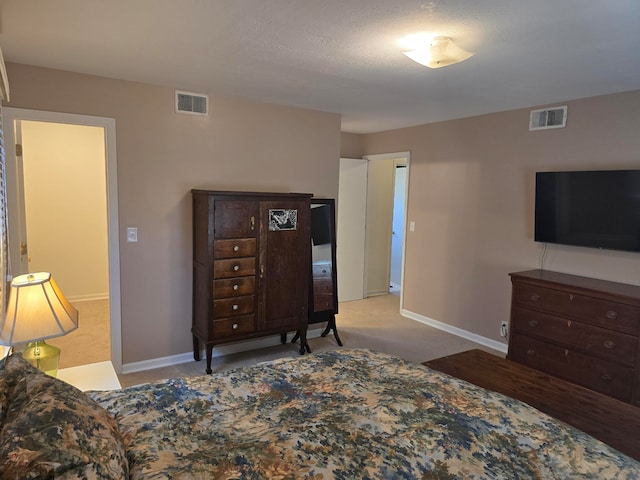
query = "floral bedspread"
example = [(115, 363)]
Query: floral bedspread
[(347, 414)]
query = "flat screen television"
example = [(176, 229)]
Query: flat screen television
[(321, 224), (599, 209)]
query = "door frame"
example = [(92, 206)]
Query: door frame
[(11, 114), (394, 156)]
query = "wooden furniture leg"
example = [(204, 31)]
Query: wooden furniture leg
[(331, 325), (196, 349), (209, 355)]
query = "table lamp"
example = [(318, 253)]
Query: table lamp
[(37, 310)]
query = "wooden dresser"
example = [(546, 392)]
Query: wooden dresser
[(251, 266), (580, 329)]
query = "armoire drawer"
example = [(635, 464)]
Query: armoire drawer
[(228, 307), (234, 267), (604, 343), (230, 327), (599, 375), (603, 313), (237, 247), (234, 287)]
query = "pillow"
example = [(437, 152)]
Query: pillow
[(53, 430)]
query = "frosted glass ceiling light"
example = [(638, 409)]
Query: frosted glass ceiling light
[(439, 53)]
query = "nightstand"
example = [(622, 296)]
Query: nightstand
[(94, 376)]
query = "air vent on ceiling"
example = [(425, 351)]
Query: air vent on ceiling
[(193, 103), (552, 117)]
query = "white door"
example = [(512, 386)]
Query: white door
[(18, 251), (350, 229)]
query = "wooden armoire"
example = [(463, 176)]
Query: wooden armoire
[(251, 265)]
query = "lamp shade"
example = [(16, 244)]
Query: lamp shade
[(37, 310)]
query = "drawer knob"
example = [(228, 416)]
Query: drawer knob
[(234, 326), (606, 378), (236, 286), (535, 297), (235, 307), (533, 323), (609, 344), (236, 268), (531, 352), (612, 314), (236, 248)]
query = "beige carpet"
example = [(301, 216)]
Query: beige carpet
[(91, 341), (373, 323)]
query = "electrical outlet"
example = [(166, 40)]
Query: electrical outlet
[(504, 329)]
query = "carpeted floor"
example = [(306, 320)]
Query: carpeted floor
[(90, 342), (373, 323)]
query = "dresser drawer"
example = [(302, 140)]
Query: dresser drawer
[(235, 267), (228, 307), (234, 287), (599, 375), (237, 247), (230, 327), (604, 343), (322, 285), (323, 301), (603, 313)]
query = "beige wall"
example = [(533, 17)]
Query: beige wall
[(351, 145), (241, 145), (471, 196), (66, 209)]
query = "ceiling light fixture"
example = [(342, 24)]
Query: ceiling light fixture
[(440, 52)]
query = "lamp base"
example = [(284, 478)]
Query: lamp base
[(43, 356)]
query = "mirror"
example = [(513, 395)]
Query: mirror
[(324, 286)]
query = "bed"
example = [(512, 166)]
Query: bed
[(345, 414)]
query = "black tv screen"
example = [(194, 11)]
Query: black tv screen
[(599, 209), (321, 225)]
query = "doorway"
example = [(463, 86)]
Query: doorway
[(368, 234), (64, 225)]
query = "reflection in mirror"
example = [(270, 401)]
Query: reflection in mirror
[(324, 295), (321, 236)]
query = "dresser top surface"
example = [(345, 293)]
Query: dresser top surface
[(250, 194)]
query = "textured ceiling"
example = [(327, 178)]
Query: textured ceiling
[(340, 56)]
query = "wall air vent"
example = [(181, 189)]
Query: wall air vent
[(192, 103), (545, 118)]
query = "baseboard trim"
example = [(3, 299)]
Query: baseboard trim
[(219, 351), (86, 298), (459, 332)]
